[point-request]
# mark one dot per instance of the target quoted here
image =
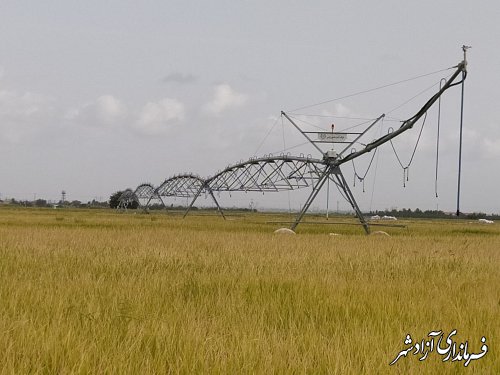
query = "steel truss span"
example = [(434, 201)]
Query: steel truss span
[(146, 193), (268, 174), (183, 186)]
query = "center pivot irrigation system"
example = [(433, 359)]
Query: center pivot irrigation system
[(286, 172)]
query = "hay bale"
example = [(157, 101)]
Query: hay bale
[(380, 233), (284, 231), (335, 234), (386, 217), (486, 221)]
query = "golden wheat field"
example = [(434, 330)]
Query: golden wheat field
[(104, 292)]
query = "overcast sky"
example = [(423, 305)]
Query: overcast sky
[(97, 96)]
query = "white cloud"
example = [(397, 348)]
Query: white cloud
[(105, 110), (478, 144), (2, 72), (155, 117), (491, 148), (72, 114), (224, 98), (27, 104), (109, 109), (487, 140), (22, 115)]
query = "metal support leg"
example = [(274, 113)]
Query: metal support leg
[(314, 193), (163, 203), (350, 197), (145, 208), (154, 195), (216, 203), (194, 200)]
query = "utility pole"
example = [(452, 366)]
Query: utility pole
[(464, 73), (327, 197)]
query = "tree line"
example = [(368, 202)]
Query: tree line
[(114, 201), (433, 214)]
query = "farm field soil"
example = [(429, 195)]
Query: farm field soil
[(104, 292)]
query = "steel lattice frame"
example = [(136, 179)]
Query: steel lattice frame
[(183, 186), (145, 193), (268, 174)]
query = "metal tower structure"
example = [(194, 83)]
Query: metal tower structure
[(286, 172), (333, 160)]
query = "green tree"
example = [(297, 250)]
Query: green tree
[(41, 203), (114, 201)]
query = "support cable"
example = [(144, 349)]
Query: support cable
[(307, 122), (267, 135), (376, 167), (416, 96), (369, 90), (289, 148), (284, 148), (406, 168), (331, 116), (437, 139), (359, 177)]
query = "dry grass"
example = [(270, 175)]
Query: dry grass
[(103, 292)]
